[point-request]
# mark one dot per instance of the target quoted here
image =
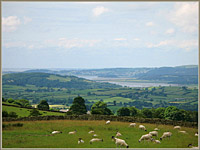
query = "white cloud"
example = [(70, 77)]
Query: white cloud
[(136, 39), (27, 20), (120, 39), (170, 31), (185, 16), (150, 24), (70, 43), (10, 23), (183, 44), (99, 10)]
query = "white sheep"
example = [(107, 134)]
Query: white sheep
[(184, 132), (80, 141), (118, 133), (157, 141), (95, 140), (95, 135), (177, 127), (90, 132), (156, 129), (120, 142), (196, 134), (145, 137), (56, 132), (166, 134), (154, 133), (132, 125), (142, 127), (73, 132), (108, 122)]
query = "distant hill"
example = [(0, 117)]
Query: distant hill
[(52, 80)]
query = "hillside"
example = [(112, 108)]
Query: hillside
[(52, 81)]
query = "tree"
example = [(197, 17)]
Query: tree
[(147, 113), (43, 105), (78, 106), (5, 113), (10, 100), (159, 113), (124, 111), (100, 108), (34, 112), (170, 112), (133, 111), (13, 114), (22, 102)]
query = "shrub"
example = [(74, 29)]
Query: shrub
[(13, 115), (5, 113), (17, 125)]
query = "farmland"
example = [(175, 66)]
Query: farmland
[(33, 134)]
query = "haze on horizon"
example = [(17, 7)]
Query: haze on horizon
[(89, 35)]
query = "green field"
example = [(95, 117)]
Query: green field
[(33, 134), (24, 112)]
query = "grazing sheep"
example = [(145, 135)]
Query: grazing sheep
[(156, 129), (73, 132), (146, 137), (196, 134), (95, 140), (108, 122), (154, 133), (80, 141), (132, 125), (157, 141), (177, 127), (142, 127), (95, 135), (56, 132), (166, 134), (118, 134), (91, 132), (183, 132), (120, 142)]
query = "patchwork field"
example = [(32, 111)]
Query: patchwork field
[(34, 134)]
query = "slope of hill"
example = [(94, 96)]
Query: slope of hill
[(52, 80)]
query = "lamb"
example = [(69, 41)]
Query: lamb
[(196, 134), (91, 132), (142, 127), (120, 142), (118, 134), (80, 141), (145, 137), (95, 135), (177, 127), (154, 133), (132, 125), (156, 129), (95, 140), (166, 134), (108, 122), (56, 132), (73, 132), (182, 132), (157, 141)]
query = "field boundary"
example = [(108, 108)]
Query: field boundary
[(105, 117)]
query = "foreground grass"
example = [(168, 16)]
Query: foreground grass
[(34, 135)]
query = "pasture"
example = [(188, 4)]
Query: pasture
[(35, 134)]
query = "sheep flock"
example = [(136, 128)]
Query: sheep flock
[(120, 139)]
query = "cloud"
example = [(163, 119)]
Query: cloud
[(10, 23), (150, 24), (120, 39), (136, 39), (70, 43), (18, 44), (99, 10), (183, 44), (170, 31), (27, 20), (185, 16)]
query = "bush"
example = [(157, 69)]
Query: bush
[(5, 113), (13, 115), (17, 125)]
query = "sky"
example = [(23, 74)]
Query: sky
[(99, 34)]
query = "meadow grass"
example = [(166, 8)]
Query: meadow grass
[(33, 134)]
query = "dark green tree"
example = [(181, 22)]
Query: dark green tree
[(22, 102), (133, 111), (124, 111), (100, 108), (147, 113), (159, 113), (5, 113), (34, 112), (170, 112), (13, 114), (43, 105), (78, 106)]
